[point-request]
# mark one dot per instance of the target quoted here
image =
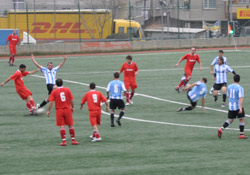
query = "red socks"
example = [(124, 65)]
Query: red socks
[(32, 103), (63, 134), (10, 59), (29, 107), (97, 135), (72, 133), (127, 97), (131, 95)]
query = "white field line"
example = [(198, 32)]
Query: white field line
[(143, 70), (159, 99)]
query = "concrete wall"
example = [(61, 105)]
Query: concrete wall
[(85, 47)]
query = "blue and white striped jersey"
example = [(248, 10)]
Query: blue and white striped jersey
[(200, 90), (221, 73), (115, 89), (215, 61), (234, 92), (50, 75)]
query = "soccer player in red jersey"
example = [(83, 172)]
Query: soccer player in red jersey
[(130, 71), (191, 58), (64, 105), (94, 99), (13, 40), (22, 91)]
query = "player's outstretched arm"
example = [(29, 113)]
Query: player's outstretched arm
[(190, 86), (107, 95), (200, 67), (62, 63), (6, 81), (34, 61), (178, 63), (34, 71), (49, 108)]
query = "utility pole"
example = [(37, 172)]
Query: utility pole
[(178, 16)]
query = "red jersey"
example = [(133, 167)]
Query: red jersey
[(129, 71), (17, 77), (62, 97), (191, 60), (94, 99), (13, 40)]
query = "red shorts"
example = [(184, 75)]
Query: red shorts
[(188, 72), (24, 93), (12, 50), (95, 117), (130, 84), (64, 117)]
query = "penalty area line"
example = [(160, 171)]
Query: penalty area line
[(159, 99)]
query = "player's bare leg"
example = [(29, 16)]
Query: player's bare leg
[(96, 136), (224, 95), (63, 136), (72, 135)]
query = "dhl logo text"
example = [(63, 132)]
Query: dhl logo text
[(59, 27)]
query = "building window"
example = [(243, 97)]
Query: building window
[(139, 8), (186, 4), (209, 4), (18, 4)]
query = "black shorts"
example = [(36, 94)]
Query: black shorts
[(193, 104), (219, 86), (50, 88), (114, 103), (235, 114)]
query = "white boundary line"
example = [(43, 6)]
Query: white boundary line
[(159, 99), (131, 53)]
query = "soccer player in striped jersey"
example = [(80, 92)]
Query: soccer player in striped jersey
[(195, 91), (220, 77), (49, 73), (214, 62), (114, 93), (235, 94), (191, 58), (94, 99)]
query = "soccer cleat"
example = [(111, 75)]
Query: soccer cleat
[(220, 133), (177, 89), (219, 93), (211, 92), (127, 104), (64, 143), (37, 106), (112, 125), (243, 136), (118, 122), (223, 105), (96, 139), (131, 102), (74, 142), (180, 109)]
